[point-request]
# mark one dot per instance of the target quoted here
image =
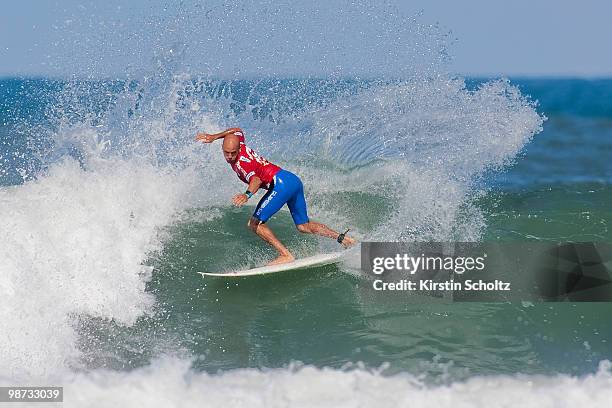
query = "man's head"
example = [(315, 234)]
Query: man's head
[(231, 147)]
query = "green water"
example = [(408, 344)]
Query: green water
[(329, 316), (577, 212)]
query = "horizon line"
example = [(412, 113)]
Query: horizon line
[(552, 76)]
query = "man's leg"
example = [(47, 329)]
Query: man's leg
[(269, 205), (297, 206), (313, 227), (264, 232)]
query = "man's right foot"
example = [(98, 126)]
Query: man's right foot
[(281, 260)]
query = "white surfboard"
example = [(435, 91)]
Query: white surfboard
[(303, 263)]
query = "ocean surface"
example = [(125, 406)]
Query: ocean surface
[(108, 209)]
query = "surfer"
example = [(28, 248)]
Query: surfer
[(283, 188)]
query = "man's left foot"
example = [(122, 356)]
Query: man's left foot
[(281, 260)]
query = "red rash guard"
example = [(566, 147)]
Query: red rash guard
[(249, 164)]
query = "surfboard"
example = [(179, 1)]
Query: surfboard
[(303, 263)]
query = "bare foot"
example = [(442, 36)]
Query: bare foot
[(281, 260), (348, 242)]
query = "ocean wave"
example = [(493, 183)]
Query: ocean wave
[(83, 224)]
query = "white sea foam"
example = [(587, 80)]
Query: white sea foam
[(73, 243), (170, 382)]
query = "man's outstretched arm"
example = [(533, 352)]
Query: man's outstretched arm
[(211, 137)]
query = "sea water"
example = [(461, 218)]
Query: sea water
[(109, 209)]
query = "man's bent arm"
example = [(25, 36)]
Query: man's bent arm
[(226, 132)]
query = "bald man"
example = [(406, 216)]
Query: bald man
[(283, 187)]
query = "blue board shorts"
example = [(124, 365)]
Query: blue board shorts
[(288, 188)]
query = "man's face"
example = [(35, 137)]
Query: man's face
[(230, 153)]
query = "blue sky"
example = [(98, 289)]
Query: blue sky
[(252, 38)]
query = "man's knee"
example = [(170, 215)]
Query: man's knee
[(304, 228), (253, 223)]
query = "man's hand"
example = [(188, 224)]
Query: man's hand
[(205, 137), (240, 199)]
